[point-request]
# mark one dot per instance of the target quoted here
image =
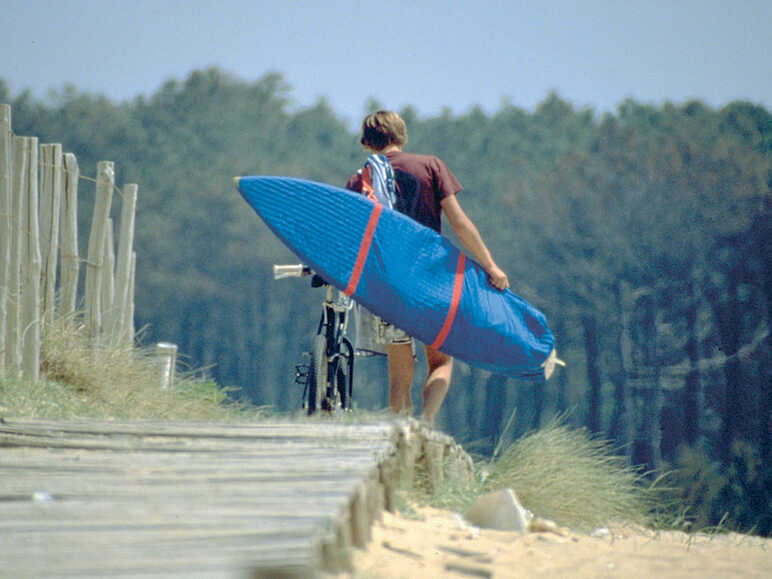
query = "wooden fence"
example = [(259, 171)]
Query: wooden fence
[(39, 236)]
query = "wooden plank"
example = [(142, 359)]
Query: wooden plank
[(154, 499), (107, 297), (31, 269), (128, 323), (96, 245), (101, 553), (70, 260), (123, 293), (163, 499), (50, 209), (6, 178), (13, 348)]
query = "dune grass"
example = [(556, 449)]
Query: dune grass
[(111, 382), (566, 475), (559, 473)]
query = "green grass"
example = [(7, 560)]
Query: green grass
[(113, 382)]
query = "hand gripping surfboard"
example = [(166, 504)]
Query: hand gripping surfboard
[(406, 273)]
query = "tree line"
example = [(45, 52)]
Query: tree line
[(643, 234)]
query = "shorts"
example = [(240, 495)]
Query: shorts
[(374, 334), (386, 333)]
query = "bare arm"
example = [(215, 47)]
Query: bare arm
[(472, 241)]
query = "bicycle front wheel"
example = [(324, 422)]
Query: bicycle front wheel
[(317, 379)]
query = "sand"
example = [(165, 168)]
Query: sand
[(436, 543)]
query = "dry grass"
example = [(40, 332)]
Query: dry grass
[(113, 382), (558, 473), (566, 475)]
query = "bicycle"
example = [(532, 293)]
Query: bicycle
[(328, 378)]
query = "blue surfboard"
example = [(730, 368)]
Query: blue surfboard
[(406, 273)]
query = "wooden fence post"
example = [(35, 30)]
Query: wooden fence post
[(123, 275), (96, 244), (31, 265), (38, 226), (70, 265), (18, 199), (50, 207), (128, 323), (108, 283), (6, 177)]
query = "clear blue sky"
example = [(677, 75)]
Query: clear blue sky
[(429, 54)]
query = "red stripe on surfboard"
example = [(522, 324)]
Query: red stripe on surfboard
[(458, 284), (364, 249)]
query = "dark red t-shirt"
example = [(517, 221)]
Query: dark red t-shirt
[(422, 182)]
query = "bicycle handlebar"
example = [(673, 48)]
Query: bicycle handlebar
[(294, 270)]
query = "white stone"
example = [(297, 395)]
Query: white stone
[(500, 510)]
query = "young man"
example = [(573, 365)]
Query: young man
[(425, 188)]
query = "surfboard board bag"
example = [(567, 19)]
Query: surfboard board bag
[(408, 274)]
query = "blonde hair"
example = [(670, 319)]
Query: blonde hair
[(383, 128)]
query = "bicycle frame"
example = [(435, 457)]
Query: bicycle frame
[(328, 379)]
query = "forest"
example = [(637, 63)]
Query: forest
[(644, 235)]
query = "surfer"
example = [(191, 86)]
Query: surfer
[(425, 188)]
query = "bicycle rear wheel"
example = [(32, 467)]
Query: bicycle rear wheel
[(344, 374), (317, 378)]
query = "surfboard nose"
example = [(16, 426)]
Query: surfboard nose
[(236, 182)]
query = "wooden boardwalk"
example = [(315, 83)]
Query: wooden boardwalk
[(152, 499)]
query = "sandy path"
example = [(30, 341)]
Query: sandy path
[(438, 546)]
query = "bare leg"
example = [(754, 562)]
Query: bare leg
[(437, 383), (401, 367)]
